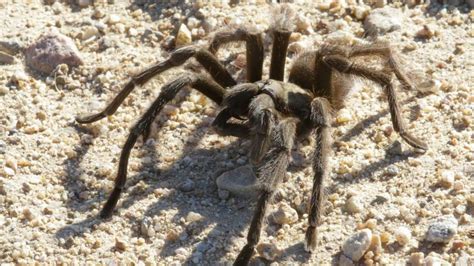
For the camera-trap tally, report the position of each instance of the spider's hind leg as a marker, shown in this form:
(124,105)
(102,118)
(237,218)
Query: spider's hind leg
(344,65)
(383,50)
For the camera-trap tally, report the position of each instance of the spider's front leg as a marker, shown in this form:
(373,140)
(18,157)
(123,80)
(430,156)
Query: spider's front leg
(270,172)
(321,120)
(177,58)
(206,86)
(235,104)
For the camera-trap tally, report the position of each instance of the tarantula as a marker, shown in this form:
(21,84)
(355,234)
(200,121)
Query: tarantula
(271,112)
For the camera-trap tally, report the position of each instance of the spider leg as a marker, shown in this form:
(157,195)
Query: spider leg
(384,51)
(344,65)
(270,172)
(281,28)
(263,118)
(236,104)
(177,58)
(225,128)
(205,85)
(254,49)
(321,120)
(281,39)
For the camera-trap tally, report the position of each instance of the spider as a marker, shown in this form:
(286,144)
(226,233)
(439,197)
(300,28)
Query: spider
(272,113)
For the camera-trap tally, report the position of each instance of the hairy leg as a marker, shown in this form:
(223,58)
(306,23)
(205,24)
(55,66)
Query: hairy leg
(177,58)
(280,46)
(321,121)
(263,118)
(386,52)
(344,65)
(270,172)
(236,105)
(254,49)
(168,92)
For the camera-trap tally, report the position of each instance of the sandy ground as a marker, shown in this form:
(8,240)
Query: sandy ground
(55,174)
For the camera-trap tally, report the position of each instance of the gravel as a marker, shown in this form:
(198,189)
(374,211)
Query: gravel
(356,245)
(442,229)
(55,175)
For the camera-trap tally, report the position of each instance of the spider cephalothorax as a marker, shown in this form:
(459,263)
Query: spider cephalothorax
(271,112)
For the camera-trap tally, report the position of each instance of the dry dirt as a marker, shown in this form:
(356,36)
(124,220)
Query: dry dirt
(55,174)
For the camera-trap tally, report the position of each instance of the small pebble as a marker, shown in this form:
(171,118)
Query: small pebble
(120,245)
(193,217)
(343,116)
(89,32)
(269,252)
(446,178)
(385,237)
(113,19)
(383,20)
(442,229)
(181,251)
(392,170)
(402,235)
(187,186)
(416,259)
(184,36)
(376,245)
(239,181)
(356,245)
(354,204)
(284,215)
(8,171)
(427,32)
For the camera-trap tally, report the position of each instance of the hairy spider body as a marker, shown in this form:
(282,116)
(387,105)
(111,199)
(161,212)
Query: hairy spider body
(271,112)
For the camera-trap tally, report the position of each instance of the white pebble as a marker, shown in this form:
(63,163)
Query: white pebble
(403,235)
(284,215)
(343,116)
(446,178)
(89,32)
(193,217)
(113,19)
(354,204)
(356,245)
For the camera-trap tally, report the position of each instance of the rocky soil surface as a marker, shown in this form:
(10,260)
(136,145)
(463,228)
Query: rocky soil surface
(387,204)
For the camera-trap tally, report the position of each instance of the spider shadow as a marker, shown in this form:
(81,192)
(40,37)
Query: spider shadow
(72,180)
(168,178)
